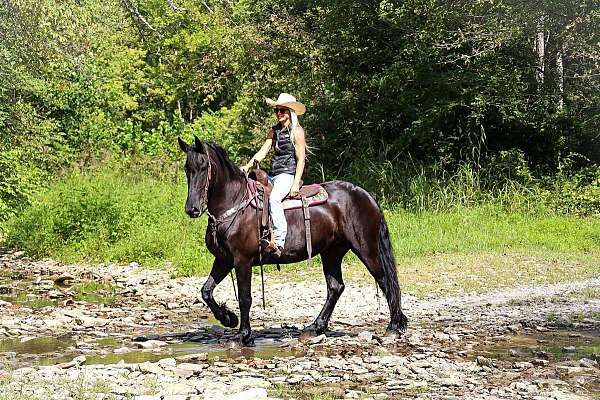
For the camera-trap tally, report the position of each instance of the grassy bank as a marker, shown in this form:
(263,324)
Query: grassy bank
(112,215)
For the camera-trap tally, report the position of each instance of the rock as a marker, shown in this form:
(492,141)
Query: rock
(587,363)
(352,394)
(148,316)
(64,280)
(365,336)
(166,362)
(150,344)
(122,350)
(484,361)
(80,360)
(178,388)
(522,365)
(449,382)
(293,379)
(183,373)
(193,357)
(317,339)
(194,368)
(569,349)
(91,322)
(151,368)
(250,394)
(569,370)
(538,362)
(563,321)
(176,397)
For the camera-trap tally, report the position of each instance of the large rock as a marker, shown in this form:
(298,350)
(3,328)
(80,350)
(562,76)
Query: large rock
(250,394)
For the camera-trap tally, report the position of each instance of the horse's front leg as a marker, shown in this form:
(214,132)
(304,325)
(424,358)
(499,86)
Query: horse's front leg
(219,271)
(244,280)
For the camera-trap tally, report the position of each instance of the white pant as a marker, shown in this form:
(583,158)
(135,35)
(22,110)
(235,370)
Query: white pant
(282,184)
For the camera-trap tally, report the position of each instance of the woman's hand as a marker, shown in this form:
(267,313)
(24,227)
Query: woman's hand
(295,190)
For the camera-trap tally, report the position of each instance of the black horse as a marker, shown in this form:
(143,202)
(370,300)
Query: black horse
(349,220)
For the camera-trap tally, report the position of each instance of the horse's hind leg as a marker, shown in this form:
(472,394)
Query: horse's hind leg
(218,272)
(332,268)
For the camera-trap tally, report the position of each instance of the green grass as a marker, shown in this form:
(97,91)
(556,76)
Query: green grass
(117,215)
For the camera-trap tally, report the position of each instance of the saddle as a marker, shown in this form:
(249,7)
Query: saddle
(309,195)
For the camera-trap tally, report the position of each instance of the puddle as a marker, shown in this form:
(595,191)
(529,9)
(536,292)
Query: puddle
(554,346)
(24,290)
(50,350)
(265,350)
(38,345)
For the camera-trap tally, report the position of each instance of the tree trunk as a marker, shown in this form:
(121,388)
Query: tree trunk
(540,50)
(561,79)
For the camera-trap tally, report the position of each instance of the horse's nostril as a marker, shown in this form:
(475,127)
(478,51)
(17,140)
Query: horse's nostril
(193,212)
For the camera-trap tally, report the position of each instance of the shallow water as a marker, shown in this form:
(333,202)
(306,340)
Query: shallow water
(51,350)
(24,290)
(559,345)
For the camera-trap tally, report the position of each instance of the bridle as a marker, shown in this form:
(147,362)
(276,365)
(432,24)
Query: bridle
(233,211)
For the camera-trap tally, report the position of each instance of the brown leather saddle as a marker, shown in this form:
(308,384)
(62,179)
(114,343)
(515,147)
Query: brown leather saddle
(309,195)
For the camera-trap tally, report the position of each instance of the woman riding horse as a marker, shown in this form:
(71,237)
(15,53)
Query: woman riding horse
(350,220)
(287,165)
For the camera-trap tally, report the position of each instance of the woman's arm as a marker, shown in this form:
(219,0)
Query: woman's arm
(300,145)
(262,153)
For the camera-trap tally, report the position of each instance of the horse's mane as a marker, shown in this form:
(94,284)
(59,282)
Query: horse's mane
(224,159)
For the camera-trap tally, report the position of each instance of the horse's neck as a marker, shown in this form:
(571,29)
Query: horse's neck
(226,190)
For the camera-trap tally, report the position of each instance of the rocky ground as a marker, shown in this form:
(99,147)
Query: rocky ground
(115,332)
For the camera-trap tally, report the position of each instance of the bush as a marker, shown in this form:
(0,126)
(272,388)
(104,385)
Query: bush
(18,181)
(113,214)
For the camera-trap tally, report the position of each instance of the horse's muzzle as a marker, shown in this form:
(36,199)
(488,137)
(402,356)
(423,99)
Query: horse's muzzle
(193,212)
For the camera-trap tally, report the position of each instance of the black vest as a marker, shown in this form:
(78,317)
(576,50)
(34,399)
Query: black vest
(284,160)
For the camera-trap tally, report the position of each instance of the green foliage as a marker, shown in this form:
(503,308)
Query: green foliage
(117,213)
(429,105)
(113,214)
(17,183)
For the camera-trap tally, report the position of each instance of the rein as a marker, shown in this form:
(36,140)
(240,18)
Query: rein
(228,213)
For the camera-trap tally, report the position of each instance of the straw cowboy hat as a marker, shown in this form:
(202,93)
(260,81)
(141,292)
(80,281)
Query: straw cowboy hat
(289,101)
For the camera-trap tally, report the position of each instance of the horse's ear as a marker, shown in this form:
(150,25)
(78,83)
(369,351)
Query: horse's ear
(200,145)
(183,145)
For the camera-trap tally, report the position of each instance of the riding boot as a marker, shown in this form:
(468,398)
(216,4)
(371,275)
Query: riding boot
(273,248)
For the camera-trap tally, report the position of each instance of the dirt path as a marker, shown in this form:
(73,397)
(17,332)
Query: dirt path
(101,332)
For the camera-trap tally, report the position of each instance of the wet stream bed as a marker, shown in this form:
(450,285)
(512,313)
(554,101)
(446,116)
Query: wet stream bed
(130,316)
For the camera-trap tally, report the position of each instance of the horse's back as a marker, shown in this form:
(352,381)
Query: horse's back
(331,222)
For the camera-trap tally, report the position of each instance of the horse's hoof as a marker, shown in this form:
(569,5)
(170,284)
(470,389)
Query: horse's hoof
(392,334)
(230,320)
(241,340)
(308,333)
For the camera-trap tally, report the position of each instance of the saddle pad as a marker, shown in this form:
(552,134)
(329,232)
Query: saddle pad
(319,198)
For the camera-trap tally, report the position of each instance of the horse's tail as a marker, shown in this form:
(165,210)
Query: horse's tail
(398,320)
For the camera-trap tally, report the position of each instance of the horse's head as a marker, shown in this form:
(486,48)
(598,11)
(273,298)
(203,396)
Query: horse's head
(197,171)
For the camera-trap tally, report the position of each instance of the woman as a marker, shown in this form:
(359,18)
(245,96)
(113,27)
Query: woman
(287,165)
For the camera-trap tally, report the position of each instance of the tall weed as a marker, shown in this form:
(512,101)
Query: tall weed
(113,215)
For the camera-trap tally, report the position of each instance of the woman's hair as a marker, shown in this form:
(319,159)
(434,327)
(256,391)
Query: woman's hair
(295,125)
